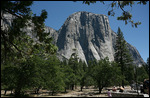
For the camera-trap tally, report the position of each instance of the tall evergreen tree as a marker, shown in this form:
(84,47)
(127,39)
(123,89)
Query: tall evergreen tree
(14,38)
(68,75)
(146,66)
(53,75)
(123,57)
(73,63)
(82,73)
(21,75)
(19,49)
(141,74)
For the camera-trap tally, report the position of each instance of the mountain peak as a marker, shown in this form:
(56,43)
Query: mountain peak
(85,12)
(90,34)
(85,17)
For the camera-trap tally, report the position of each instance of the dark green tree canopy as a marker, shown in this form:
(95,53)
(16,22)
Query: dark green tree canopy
(123,57)
(14,38)
(105,73)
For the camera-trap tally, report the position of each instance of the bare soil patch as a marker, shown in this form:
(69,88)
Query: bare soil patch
(86,92)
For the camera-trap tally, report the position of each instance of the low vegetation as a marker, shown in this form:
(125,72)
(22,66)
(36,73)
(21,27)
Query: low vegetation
(32,65)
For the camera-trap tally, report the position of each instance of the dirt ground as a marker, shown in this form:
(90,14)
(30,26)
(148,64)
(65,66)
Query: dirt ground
(86,92)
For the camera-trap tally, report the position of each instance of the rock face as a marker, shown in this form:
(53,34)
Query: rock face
(90,34)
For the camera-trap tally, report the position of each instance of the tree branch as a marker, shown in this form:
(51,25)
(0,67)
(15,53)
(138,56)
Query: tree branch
(13,13)
(5,46)
(2,32)
(121,7)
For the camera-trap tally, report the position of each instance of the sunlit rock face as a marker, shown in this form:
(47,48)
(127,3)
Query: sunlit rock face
(90,34)
(87,33)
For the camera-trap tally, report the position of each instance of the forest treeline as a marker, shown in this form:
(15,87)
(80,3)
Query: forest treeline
(53,75)
(27,64)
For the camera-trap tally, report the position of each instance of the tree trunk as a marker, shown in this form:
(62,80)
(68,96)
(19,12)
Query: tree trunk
(11,91)
(72,87)
(123,83)
(65,89)
(17,93)
(81,88)
(100,90)
(37,90)
(52,92)
(5,92)
(75,86)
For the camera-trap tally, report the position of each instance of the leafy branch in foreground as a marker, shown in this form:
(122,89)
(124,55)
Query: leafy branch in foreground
(126,15)
(22,31)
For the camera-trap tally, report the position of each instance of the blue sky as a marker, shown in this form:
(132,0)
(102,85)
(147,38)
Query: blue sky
(58,11)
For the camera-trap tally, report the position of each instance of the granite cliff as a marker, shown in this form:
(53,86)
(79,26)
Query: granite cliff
(92,37)
(90,34)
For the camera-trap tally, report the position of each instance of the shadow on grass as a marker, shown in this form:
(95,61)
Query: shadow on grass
(13,95)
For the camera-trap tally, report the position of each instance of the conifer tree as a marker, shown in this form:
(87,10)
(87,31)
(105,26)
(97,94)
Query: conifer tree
(123,57)
(82,73)
(53,75)
(146,66)
(14,38)
(73,63)
(68,75)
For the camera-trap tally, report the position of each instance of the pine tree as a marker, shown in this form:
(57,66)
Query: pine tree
(53,75)
(123,57)
(68,75)
(82,73)
(73,63)
(146,66)
(24,54)
(14,38)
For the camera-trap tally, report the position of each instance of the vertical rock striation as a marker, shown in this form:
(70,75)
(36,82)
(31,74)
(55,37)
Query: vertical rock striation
(90,34)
